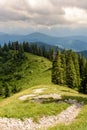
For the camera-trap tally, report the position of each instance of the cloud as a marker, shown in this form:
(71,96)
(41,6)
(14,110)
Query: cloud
(33,12)
(46,13)
(73,3)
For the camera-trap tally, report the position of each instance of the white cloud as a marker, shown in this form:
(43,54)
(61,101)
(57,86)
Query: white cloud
(46,13)
(76,15)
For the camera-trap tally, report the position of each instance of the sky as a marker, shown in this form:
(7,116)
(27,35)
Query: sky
(53,17)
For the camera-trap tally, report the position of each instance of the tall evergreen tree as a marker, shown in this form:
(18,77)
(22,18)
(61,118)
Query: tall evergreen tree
(83,73)
(70,71)
(82,64)
(51,54)
(77,68)
(83,87)
(57,75)
(63,65)
(5,48)
(6,90)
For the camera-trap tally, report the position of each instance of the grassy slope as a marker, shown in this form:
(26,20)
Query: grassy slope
(31,70)
(13,107)
(36,74)
(35,70)
(80,123)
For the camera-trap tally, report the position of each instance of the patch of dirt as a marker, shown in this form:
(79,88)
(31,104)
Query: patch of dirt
(35,91)
(54,96)
(24,97)
(47,98)
(40,90)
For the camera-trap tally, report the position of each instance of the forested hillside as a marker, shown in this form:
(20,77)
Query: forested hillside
(27,93)
(19,69)
(70,69)
(16,64)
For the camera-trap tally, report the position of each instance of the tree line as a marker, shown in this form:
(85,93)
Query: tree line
(12,56)
(33,48)
(70,69)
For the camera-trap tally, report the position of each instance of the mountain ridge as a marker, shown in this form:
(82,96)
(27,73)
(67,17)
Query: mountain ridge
(76,43)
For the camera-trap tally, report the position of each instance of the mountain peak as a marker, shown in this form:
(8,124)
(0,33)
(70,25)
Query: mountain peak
(38,34)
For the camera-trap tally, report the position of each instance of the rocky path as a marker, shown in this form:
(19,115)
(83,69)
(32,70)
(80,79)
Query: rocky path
(66,117)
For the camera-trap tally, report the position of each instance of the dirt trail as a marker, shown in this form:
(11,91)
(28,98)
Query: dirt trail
(66,117)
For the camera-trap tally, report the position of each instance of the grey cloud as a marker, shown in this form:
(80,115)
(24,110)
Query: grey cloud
(21,10)
(71,3)
(49,20)
(7,15)
(46,14)
(47,9)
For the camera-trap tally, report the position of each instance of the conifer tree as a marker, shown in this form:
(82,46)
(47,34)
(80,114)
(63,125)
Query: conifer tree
(83,73)
(77,68)
(83,87)
(51,54)
(6,90)
(57,70)
(63,65)
(82,64)
(5,47)
(70,71)
(14,89)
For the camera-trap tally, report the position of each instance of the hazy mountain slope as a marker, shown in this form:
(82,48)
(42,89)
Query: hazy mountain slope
(83,53)
(77,43)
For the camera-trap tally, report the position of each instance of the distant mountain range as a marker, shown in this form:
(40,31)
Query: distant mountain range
(77,43)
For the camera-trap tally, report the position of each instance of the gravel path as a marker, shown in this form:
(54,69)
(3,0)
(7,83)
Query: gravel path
(46,96)
(66,117)
(40,90)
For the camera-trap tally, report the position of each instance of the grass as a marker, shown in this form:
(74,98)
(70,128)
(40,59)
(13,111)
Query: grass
(36,74)
(80,123)
(13,107)
(35,71)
